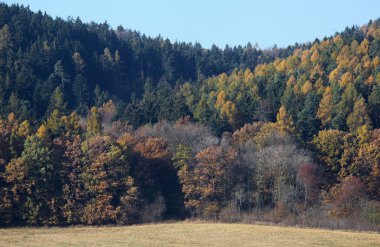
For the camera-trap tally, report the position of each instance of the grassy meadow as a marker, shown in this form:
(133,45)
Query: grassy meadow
(185,234)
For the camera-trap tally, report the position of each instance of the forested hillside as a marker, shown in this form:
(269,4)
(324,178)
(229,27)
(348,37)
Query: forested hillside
(102,126)
(39,54)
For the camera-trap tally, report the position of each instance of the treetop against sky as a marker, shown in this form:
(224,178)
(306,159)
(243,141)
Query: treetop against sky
(223,22)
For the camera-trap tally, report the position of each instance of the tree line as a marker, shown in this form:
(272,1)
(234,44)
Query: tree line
(98,171)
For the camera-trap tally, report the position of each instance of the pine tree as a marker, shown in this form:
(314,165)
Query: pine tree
(100,97)
(307,122)
(57,102)
(285,121)
(359,116)
(93,122)
(325,109)
(14,104)
(54,122)
(374,105)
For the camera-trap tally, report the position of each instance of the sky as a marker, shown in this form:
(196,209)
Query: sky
(220,22)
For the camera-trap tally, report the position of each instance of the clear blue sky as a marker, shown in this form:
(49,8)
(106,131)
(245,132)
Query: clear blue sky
(222,22)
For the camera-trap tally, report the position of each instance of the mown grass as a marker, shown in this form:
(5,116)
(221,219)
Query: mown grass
(185,234)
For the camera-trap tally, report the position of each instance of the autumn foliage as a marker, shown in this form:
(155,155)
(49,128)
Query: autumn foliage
(131,129)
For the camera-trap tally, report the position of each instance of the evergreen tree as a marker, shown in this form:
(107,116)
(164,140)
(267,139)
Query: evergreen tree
(57,102)
(93,122)
(374,106)
(358,117)
(100,97)
(307,121)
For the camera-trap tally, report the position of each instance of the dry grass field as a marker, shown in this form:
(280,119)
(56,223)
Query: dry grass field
(184,234)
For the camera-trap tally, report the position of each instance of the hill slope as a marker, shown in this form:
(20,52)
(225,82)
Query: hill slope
(39,54)
(102,126)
